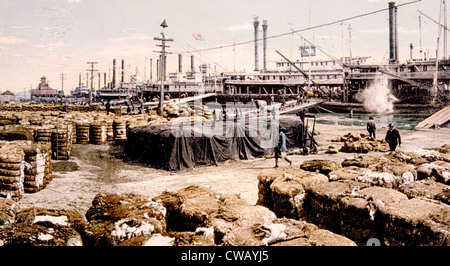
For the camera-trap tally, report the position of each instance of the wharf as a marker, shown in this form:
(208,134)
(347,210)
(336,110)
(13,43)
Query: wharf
(439,119)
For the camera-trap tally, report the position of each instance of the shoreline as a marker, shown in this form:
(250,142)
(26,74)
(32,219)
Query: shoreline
(100,171)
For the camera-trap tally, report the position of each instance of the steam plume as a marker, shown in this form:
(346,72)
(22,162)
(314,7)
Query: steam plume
(377,97)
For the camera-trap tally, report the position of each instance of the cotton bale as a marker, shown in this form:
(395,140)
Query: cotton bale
(289,193)
(360,218)
(321,204)
(416,222)
(322,166)
(117,218)
(23,235)
(8,211)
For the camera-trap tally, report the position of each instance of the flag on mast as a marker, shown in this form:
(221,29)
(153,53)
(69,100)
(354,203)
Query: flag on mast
(198,37)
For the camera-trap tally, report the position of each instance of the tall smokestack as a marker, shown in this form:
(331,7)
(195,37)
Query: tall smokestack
(393,41)
(123,70)
(180,66)
(114,74)
(256,25)
(264,26)
(158,68)
(192,64)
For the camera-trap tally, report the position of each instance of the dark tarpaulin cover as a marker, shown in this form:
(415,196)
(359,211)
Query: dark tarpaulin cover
(186,146)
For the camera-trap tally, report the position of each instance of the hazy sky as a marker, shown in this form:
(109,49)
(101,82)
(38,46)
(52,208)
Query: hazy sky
(51,37)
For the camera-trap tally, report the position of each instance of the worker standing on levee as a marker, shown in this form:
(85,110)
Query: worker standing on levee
(393,137)
(108,106)
(281,149)
(371,127)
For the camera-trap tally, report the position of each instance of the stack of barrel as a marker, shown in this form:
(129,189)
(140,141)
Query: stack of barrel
(98,134)
(12,166)
(83,130)
(62,142)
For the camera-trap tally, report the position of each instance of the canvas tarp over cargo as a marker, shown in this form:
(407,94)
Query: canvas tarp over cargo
(204,144)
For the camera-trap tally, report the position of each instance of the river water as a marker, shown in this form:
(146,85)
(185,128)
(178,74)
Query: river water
(401,121)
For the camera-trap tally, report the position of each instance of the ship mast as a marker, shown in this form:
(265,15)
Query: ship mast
(434,89)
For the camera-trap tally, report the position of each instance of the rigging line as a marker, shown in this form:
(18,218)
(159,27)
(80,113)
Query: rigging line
(305,29)
(428,17)
(206,57)
(199,58)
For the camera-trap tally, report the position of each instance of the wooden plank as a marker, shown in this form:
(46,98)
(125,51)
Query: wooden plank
(439,118)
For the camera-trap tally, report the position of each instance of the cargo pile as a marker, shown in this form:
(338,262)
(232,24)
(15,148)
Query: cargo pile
(186,110)
(62,129)
(359,143)
(25,167)
(12,165)
(401,198)
(192,216)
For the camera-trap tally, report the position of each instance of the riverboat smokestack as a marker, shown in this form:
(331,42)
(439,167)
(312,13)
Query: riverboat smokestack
(393,38)
(180,66)
(192,64)
(256,25)
(123,71)
(114,74)
(264,26)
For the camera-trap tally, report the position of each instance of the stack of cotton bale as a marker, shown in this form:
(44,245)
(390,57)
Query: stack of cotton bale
(120,129)
(44,133)
(98,133)
(61,142)
(125,219)
(418,222)
(286,193)
(220,219)
(38,172)
(185,110)
(12,165)
(361,143)
(83,129)
(360,212)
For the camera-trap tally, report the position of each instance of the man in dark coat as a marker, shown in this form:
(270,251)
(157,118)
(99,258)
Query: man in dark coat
(393,137)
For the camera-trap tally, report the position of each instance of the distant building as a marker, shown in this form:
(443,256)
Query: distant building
(43,92)
(7,96)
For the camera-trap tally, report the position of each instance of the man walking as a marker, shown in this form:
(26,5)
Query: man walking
(393,137)
(371,127)
(281,149)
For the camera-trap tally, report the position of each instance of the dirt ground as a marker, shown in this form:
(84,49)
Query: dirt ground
(96,168)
